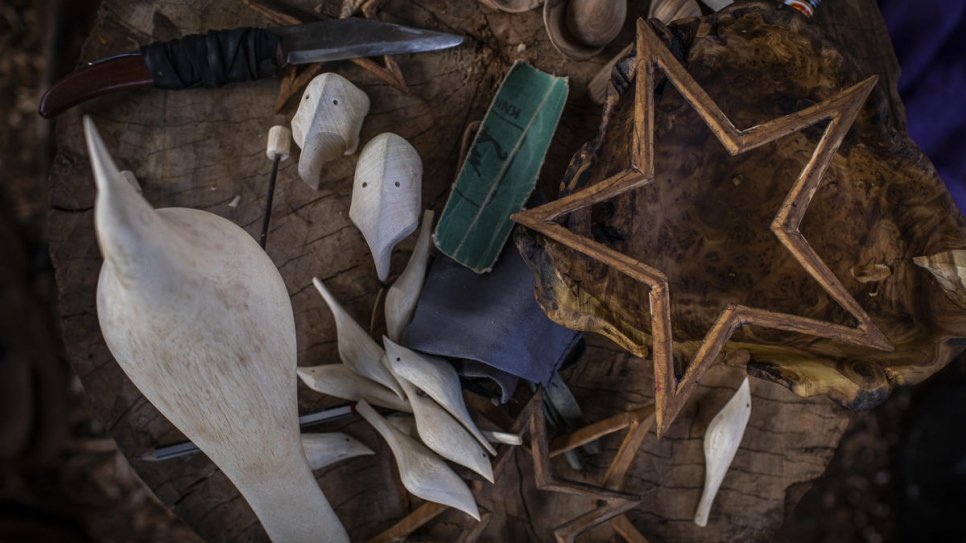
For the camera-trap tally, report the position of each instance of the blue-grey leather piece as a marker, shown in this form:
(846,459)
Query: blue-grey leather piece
(492,318)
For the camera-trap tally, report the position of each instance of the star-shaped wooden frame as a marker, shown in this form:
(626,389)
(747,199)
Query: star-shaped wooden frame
(611,502)
(840,111)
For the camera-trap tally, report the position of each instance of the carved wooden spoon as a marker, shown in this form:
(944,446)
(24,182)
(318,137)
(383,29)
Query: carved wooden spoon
(198,317)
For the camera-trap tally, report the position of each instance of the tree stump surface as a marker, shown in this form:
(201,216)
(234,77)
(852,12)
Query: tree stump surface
(202,148)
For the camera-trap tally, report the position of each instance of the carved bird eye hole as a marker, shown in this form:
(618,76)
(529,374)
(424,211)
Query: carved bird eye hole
(397,183)
(398,359)
(307,96)
(364,184)
(335,102)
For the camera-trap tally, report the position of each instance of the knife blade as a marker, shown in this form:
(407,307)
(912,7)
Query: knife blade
(220,57)
(339,39)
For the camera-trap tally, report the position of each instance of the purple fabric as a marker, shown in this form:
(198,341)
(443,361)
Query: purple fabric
(929,37)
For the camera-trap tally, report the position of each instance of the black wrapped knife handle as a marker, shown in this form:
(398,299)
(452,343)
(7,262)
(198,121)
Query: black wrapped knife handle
(214,59)
(201,60)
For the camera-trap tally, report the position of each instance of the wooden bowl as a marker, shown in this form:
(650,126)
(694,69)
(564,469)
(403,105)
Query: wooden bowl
(706,220)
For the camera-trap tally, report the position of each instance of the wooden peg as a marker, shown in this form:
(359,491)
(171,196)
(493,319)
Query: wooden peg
(279,142)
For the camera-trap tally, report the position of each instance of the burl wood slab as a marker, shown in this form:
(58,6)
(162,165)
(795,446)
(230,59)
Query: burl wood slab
(839,111)
(748,197)
(202,148)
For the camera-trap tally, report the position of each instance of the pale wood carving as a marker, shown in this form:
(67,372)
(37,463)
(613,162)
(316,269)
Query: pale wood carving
(327,123)
(402,296)
(436,378)
(422,472)
(357,349)
(444,435)
(340,381)
(721,442)
(386,196)
(198,317)
(325,449)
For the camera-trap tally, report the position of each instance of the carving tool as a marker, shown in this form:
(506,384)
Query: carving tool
(187,448)
(220,57)
(279,144)
(564,413)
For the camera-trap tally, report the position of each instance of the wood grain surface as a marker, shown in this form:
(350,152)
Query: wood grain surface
(201,148)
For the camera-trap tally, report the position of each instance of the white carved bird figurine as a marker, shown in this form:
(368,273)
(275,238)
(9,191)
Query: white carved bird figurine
(198,317)
(721,442)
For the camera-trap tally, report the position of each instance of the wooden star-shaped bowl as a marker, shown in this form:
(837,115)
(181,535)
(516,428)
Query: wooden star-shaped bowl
(748,199)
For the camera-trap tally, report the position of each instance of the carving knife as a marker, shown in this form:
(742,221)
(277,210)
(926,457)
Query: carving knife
(220,57)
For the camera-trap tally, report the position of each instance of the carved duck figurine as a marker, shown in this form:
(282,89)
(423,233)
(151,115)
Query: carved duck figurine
(422,472)
(402,296)
(327,123)
(197,315)
(339,381)
(323,450)
(357,350)
(721,442)
(386,195)
(438,380)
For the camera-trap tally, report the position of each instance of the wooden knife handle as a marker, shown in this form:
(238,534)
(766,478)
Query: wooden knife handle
(98,79)
(210,60)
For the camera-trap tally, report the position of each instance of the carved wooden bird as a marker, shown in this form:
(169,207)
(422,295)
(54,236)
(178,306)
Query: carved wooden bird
(198,317)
